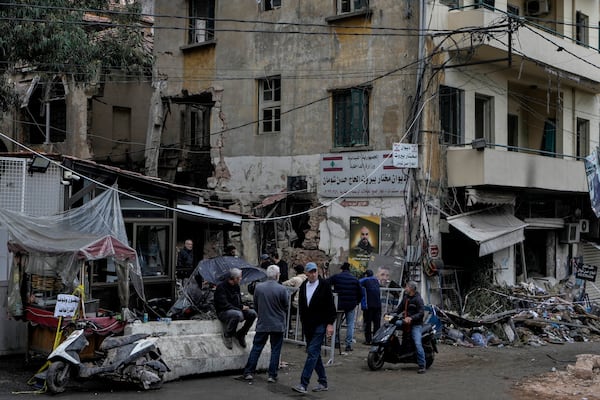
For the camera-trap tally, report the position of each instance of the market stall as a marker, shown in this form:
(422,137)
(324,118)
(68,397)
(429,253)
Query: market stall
(52,255)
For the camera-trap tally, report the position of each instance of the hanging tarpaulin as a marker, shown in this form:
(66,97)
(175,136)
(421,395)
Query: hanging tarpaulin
(593,178)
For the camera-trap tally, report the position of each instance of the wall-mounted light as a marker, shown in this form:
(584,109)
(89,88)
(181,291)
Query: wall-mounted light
(39,164)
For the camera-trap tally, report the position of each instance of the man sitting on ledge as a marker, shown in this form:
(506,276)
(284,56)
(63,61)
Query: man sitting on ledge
(230,311)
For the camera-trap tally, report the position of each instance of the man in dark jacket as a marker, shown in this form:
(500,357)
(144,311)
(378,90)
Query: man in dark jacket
(231,311)
(349,294)
(412,309)
(317,313)
(271,301)
(185,260)
(370,304)
(283,266)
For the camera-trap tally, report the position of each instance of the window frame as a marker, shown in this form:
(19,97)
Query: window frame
(270,5)
(485,109)
(455,98)
(195,126)
(352,6)
(351,108)
(201,10)
(269,106)
(582,24)
(582,138)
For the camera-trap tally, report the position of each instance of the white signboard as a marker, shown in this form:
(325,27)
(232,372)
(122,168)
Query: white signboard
(66,305)
(405,155)
(361,174)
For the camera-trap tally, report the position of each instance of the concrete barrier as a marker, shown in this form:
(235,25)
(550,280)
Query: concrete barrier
(193,347)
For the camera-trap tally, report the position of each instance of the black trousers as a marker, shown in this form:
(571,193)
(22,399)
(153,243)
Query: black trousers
(372,319)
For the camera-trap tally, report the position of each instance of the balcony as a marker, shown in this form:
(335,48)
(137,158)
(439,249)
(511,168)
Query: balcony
(470,167)
(546,53)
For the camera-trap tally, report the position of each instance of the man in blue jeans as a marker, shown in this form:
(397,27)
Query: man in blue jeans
(271,302)
(349,295)
(412,309)
(317,314)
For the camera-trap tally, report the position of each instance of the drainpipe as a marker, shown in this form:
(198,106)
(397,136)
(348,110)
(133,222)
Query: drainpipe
(47,123)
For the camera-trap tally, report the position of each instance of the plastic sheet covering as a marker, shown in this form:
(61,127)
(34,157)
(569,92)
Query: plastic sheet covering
(59,243)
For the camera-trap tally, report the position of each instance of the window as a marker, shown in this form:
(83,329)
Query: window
(549,138)
(484,118)
(151,241)
(346,6)
(196,126)
(270,105)
(451,114)
(582,24)
(271,4)
(583,135)
(450,3)
(351,117)
(202,21)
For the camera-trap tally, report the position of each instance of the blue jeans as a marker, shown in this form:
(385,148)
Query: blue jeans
(313,357)
(231,319)
(260,339)
(416,331)
(350,319)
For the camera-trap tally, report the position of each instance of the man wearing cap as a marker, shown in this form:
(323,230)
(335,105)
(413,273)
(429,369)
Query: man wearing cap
(317,313)
(265,261)
(349,295)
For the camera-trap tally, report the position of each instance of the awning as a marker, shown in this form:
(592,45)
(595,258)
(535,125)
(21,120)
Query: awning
(492,229)
(209,213)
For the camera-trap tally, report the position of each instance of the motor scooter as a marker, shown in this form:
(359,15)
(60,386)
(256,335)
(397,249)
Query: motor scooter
(133,358)
(388,346)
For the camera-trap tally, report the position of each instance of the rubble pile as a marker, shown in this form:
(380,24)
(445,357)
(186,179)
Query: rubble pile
(515,316)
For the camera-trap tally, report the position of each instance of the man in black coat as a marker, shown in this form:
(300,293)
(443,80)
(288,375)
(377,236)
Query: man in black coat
(317,313)
(231,311)
(349,295)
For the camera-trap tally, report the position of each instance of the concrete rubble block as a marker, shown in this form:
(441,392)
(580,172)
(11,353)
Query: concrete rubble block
(194,347)
(585,365)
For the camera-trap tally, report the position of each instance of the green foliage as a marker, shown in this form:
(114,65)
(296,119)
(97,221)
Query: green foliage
(53,37)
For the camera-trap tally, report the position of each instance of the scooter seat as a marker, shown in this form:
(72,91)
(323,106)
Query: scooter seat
(117,341)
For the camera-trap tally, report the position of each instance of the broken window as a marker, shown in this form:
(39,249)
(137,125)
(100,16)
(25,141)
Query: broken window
(202,21)
(47,104)
(271,4)
(451,114)
(346,6)
(351,117)
(195,126)
(270,105)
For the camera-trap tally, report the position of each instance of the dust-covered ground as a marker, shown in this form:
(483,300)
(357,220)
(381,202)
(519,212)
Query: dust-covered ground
(519,373)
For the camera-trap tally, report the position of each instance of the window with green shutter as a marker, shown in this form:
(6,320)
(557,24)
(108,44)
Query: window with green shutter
(351,117)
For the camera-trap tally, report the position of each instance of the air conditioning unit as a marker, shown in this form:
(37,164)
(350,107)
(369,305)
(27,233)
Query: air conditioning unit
(570,234)
(534,8)
(584,226)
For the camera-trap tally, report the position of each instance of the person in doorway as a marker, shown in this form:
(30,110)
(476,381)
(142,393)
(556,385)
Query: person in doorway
(271,302)
(185,260)
(412,310)
(231,311)
(349,295)
(317,314)
(371,305)
(283,266)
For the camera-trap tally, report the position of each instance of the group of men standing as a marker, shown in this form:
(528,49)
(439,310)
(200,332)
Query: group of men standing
(317,311)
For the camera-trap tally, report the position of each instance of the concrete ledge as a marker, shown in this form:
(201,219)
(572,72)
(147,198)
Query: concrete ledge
(195,347)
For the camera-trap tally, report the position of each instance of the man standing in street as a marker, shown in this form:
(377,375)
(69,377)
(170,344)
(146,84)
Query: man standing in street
(231,311)
(349,294)
(412,309)
(185,260)
(317,313)
(271,302)
(370,304)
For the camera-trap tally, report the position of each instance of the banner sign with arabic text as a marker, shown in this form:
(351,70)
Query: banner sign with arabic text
(361,174)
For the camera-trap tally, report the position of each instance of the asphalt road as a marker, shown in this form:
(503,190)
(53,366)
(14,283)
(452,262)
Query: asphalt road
(457,373)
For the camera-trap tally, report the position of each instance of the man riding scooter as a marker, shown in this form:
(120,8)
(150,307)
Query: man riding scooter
(411,308)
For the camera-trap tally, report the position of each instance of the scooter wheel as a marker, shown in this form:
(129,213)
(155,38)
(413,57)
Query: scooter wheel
(375,360)
(57,376)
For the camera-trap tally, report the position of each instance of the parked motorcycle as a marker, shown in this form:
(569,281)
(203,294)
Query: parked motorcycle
(388,345)
(133,358)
